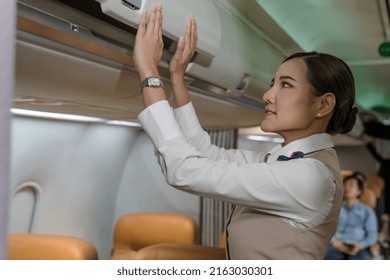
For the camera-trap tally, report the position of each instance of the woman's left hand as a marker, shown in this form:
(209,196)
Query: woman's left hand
(185,49)
(148,43)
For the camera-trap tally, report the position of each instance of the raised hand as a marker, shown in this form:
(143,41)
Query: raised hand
(185,49)
(179,62)
(148,42)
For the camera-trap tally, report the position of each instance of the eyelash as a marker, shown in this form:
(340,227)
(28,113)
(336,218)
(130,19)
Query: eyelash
(283,84)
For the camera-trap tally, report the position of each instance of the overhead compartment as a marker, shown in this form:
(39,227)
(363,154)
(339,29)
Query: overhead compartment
(227,77)
(175,13)
(245,62)
(232,58)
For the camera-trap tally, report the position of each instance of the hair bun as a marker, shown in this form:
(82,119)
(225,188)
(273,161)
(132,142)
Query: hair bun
(350,120)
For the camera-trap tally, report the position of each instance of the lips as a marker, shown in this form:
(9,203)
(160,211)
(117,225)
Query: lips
(269,112)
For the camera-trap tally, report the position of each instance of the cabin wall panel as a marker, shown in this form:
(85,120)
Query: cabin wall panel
(144,189)
(7,35)
(89,175)
(78,166)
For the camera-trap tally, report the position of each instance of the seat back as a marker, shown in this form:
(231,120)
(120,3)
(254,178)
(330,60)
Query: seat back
(369,198)
(49,247)
(376,183)
(138,230)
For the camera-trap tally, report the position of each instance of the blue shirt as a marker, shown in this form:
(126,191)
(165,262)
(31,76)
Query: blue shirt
(358,224)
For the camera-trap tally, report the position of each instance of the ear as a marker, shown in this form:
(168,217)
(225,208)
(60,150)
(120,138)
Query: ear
(326,105)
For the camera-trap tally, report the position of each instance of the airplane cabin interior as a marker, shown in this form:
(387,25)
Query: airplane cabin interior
(83,179)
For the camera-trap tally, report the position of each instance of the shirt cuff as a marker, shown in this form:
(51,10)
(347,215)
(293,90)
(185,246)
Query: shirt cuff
(188,121)
(159,123)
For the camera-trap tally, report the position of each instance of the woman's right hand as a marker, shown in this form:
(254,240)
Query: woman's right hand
(148,43)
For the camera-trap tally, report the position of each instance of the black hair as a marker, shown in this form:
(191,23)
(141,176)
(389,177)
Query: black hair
(359,179)
(360,175)
(329,74)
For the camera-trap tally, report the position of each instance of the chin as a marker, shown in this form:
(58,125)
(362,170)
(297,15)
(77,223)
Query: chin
(264,127)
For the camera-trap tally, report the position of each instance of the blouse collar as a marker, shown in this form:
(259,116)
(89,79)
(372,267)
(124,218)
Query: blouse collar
(312,143)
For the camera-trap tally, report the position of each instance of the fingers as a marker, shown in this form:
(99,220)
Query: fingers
(152,19)
(191,33)
(191,36)
(142,22)
(159,20)
(194,33)
(180,47)
(153,24)
(155,19)
(187,34)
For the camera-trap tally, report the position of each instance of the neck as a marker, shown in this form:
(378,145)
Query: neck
(295,135)
(350,202)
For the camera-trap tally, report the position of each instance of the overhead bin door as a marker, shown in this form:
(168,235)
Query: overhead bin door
(175,13)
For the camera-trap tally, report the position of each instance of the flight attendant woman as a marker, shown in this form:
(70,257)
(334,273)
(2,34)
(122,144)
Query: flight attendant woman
(287,200)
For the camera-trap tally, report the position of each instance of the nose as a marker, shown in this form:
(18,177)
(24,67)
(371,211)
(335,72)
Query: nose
(268,96)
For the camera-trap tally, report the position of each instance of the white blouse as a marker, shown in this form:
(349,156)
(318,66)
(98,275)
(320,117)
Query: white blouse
(300,190)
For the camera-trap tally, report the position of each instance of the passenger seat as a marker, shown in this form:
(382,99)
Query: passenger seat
(26,246)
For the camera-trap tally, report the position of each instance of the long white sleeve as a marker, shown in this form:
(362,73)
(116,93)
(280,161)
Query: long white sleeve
(196,136)
(296,189)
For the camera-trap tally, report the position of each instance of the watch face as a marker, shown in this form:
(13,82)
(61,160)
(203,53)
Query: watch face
(151,82)
(154,81)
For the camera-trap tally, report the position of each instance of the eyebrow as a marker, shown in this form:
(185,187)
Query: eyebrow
(287,77)
(283,78)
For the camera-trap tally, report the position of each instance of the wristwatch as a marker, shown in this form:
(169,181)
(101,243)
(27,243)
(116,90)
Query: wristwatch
(151,82)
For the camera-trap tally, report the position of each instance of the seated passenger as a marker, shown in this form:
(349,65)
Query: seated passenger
(357,228)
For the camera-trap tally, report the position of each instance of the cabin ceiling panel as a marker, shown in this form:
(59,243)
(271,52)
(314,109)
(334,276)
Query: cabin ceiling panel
(372,89)
(323,25)
(349,29)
